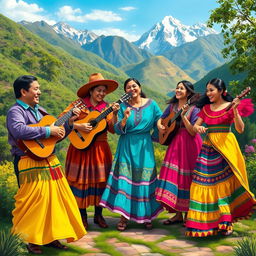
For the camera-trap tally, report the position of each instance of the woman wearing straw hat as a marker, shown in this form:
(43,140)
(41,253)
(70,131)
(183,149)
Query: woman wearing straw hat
(87,170)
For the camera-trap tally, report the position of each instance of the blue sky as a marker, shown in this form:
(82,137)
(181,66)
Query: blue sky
(128,18)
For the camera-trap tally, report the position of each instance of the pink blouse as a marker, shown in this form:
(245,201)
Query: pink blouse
(245,108)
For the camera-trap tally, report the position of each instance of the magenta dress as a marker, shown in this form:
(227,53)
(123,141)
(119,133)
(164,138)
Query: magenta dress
(176,172)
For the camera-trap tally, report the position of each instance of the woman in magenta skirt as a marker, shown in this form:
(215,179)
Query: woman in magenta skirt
(180,158)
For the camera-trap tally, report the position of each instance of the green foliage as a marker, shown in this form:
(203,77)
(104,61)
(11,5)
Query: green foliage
(10,244)
(5,149)
(238,23)
(248,134)
(250,158)
(251,171)
(246,247)
(8,188)
(159,151)
(5,153)
(224,72)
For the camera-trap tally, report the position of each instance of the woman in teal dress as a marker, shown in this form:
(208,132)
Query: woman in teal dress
(131,185)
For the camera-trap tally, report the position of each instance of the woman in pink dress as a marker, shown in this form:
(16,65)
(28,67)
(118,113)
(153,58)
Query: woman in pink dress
(180,158)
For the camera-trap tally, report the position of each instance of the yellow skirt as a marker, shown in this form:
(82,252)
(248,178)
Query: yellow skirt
(45,208)
(219,193)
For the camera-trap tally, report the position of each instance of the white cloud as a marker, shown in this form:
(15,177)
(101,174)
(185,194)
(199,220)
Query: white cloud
(21,10)
(117,32)
(67,13)
(127,8)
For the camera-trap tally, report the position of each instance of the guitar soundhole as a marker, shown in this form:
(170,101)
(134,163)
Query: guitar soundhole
(93,123)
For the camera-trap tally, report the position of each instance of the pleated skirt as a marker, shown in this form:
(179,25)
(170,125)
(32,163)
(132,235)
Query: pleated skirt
(45,208)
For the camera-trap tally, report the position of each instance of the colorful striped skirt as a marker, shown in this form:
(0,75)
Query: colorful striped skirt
(87,172)
(218,195)
(176,172)
(45,208)
(131,197)
(131,185)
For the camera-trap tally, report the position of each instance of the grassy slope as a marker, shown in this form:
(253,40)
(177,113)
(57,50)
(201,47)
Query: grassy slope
(198,57)
(116,50)
(158,73)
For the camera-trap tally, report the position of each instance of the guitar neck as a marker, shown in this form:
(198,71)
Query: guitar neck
(229,106)
(175,117)
(177,114)
(106,112)
(60,121)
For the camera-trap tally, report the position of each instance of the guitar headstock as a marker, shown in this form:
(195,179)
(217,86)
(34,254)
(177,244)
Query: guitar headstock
(192,99)
(244,93)
(126,97)
(79,104)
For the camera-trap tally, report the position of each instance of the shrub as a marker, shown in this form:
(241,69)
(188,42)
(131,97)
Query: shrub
(8,188)
(250,158)
(246,247)
(10,244)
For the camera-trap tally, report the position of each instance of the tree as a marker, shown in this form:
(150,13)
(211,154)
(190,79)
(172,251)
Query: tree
(238,23)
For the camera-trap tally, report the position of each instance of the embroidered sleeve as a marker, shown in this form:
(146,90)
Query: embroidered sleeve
(117,127)
(194,115)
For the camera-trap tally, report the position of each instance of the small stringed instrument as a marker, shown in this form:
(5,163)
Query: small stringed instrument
(172,125)
(38,149)
(241,95)
(81,139)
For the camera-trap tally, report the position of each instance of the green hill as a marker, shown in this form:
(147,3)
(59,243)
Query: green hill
(117,50)
(59,73)
(157,73)
(199,57)
(222,72)
(46,32)
(22,52)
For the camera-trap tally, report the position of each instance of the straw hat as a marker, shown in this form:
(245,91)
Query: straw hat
(95,80)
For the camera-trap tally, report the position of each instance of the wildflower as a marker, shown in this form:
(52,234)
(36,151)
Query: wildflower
(249,149)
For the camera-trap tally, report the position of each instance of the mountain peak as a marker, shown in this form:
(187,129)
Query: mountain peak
(169,33)
(82,37)
(24,22)
(170,20)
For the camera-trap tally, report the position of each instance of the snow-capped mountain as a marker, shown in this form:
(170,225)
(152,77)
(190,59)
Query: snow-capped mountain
(170,33)
(82,37)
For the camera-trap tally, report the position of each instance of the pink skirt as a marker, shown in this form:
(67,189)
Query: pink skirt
(176,172)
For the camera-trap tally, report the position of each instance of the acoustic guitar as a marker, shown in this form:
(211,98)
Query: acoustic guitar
(81,139)
(38,149)
(172,125)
